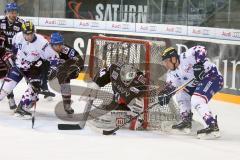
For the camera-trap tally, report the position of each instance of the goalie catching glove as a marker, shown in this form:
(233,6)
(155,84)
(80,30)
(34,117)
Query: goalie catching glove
(164,95)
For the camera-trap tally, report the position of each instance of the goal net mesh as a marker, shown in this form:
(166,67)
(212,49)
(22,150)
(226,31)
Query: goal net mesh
(144,55)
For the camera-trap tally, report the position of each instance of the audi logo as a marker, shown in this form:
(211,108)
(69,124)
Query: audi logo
(236,34)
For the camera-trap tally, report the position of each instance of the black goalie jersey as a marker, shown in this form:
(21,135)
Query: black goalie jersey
(123,92)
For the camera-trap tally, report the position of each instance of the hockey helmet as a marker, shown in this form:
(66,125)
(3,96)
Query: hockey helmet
(11,7)
(56,38)
(168,53)
(127,73)
(28,27)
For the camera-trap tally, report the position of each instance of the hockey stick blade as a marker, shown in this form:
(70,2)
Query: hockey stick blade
(69,127)
(110,132)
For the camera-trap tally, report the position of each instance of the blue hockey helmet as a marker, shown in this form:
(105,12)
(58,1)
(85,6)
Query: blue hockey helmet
(56,38)
(11,7)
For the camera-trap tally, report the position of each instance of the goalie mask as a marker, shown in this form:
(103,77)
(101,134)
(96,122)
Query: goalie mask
(127,73)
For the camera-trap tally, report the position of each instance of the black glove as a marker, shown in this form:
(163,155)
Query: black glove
(164,100)
(52,73)
(199,71)
(36,85)
(165,95)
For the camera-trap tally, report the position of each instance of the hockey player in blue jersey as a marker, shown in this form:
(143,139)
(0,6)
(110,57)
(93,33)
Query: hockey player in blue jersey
(208,81)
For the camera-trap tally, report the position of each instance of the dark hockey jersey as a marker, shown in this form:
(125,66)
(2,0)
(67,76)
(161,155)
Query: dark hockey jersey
(70,53)
(10,30)
(123,94)
(3,66)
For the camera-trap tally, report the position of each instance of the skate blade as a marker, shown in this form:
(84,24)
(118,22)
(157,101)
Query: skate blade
(24,117)
(184,131)
(213,135)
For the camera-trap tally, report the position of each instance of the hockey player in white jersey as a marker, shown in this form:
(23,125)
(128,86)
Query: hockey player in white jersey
(29,49)
(208,81)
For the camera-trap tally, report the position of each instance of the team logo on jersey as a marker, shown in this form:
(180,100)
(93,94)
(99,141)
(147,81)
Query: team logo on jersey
(120,121)
(65,50)
(34,53)
(3,26)
(16,28)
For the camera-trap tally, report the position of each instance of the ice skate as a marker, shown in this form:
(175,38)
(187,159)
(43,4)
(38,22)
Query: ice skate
(12,104)
(68,109)
(184,126)
(212,131)
(21,111)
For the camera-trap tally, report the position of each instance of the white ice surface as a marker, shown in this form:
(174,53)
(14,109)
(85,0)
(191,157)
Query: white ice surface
(45,142)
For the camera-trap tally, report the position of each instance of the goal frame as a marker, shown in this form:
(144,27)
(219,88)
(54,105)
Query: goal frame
(147,45)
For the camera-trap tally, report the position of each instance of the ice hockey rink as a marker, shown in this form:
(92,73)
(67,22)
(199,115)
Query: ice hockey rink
(19,141)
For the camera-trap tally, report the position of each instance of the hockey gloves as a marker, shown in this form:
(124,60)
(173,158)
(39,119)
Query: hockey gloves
(199,71)
(164,100)
(52,73)
(165,95)
(35,84)
(8,58)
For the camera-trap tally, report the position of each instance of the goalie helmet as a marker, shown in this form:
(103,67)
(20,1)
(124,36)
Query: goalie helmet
(127,73)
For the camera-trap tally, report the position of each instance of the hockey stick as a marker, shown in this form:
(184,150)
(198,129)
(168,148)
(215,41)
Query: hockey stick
(80,125)
(33,114)
(112,132)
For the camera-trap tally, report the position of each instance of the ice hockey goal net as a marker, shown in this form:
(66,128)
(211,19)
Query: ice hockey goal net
(144,55)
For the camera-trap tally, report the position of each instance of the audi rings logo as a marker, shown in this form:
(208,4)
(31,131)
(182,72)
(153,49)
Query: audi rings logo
(236,34)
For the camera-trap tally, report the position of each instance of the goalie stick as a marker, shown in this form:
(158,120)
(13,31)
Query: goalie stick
(112,132)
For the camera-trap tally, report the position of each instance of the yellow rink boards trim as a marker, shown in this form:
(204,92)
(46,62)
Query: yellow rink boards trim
(219,96)
(227,98)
